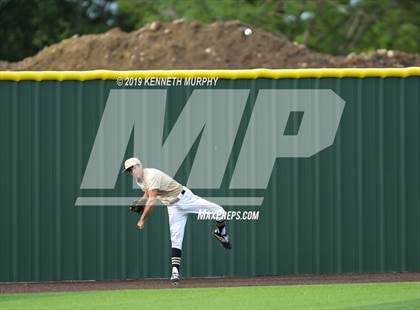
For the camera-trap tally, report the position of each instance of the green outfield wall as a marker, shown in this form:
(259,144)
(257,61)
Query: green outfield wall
(329,158)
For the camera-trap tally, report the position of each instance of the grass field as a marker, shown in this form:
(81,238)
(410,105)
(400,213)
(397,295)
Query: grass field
(332,296)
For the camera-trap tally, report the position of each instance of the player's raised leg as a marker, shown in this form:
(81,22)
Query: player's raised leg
(196,204)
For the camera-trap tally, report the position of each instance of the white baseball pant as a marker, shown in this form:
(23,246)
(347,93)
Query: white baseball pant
(188,203)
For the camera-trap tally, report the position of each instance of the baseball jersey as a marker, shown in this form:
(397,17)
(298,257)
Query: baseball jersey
(167,188)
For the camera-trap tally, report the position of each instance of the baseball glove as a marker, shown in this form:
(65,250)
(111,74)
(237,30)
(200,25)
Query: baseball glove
(138,205)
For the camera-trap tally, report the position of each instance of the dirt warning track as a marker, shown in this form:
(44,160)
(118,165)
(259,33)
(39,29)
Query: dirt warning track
(7,288)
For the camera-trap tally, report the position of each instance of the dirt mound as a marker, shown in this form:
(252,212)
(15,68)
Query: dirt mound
(192,45)
(4,65)
(381,59)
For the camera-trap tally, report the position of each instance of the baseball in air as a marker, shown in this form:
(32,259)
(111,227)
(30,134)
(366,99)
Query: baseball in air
(247,32)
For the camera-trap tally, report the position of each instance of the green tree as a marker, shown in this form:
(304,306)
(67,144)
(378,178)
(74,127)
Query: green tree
(26,26)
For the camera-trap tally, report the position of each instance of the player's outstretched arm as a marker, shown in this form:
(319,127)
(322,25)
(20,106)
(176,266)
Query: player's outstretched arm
(149,206)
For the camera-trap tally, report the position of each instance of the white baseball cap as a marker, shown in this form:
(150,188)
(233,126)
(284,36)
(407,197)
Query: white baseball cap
(132,162)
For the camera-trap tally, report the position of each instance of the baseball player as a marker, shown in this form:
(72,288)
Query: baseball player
(180,202)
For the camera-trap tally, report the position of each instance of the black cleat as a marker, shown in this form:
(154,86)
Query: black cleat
(223,239)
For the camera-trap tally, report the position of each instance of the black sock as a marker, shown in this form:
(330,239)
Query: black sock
(176,258)
(220,225)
